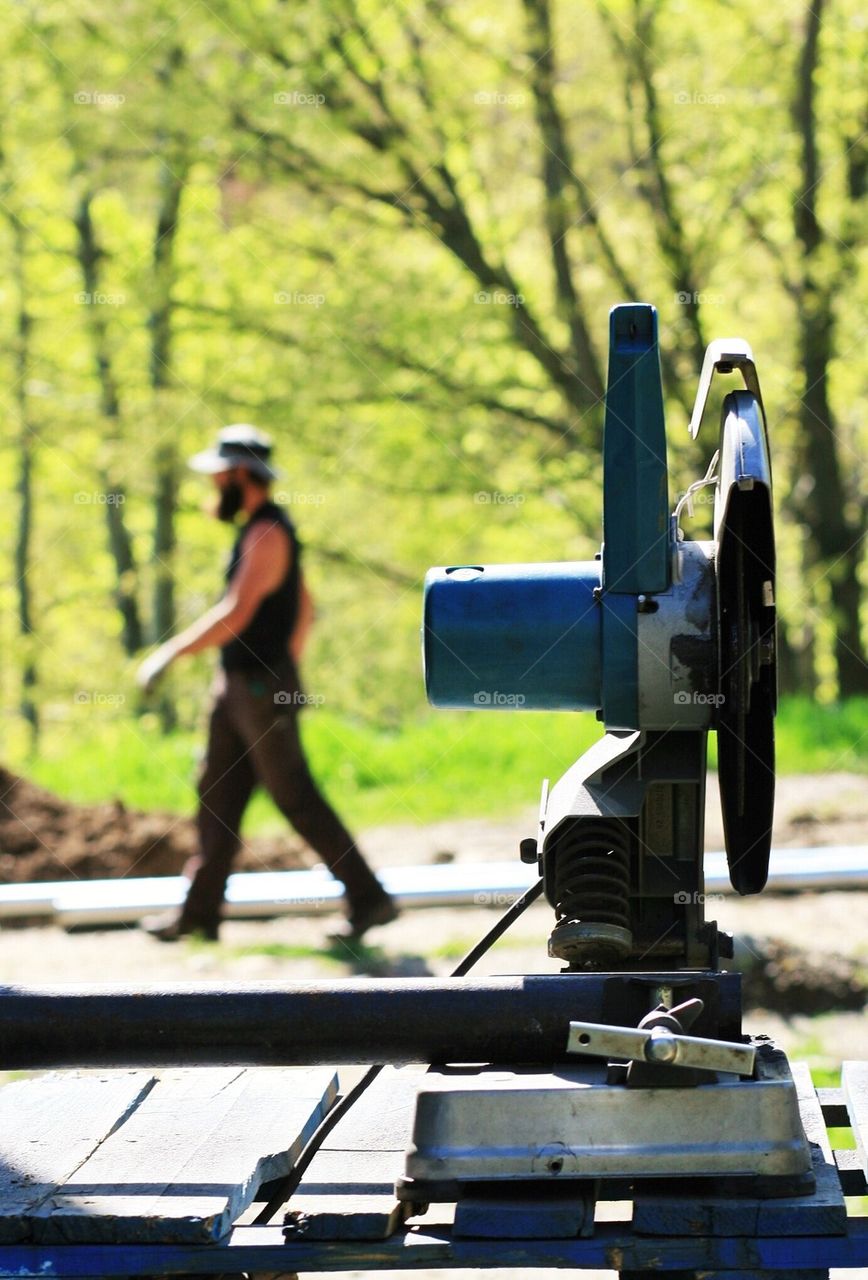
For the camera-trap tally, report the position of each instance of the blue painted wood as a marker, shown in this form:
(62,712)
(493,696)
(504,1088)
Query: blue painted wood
(682,1213)
(820,1274)
(261,1249)
(540,1217)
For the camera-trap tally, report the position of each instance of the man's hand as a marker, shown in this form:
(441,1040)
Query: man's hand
(153,667)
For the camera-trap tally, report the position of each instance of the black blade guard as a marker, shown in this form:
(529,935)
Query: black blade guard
(744,531)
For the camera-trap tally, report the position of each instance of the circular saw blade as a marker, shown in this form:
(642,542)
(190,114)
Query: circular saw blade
(744,529)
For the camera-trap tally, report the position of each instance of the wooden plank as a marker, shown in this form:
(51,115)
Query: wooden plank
(762,1275)
(854,1083)
(810,1109)
(552,1215)
(191,1157)
(824,1212)
(382,1119)
(853,1181)
(348,1195)
(827,1214)
(679,1213)
(348,1191)
(49,1126)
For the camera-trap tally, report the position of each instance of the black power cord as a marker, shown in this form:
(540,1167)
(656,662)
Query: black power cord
(289,1184)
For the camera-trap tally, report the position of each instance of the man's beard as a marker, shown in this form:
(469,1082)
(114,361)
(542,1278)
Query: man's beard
(229,503)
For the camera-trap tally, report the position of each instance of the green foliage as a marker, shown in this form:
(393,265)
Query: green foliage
(360,184)
(440,765)
(822,739)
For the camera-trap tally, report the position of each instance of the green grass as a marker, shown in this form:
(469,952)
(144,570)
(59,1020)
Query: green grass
(453,949)
(445,764)
(284,951)
(822,738)
(826,1077)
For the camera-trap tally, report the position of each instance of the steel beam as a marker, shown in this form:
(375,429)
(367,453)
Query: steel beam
(514,1020)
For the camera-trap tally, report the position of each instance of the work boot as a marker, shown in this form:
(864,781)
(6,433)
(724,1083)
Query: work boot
(364,916)
(169,927)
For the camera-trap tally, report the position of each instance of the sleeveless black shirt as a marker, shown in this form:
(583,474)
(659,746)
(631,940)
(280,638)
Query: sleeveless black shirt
(262,645)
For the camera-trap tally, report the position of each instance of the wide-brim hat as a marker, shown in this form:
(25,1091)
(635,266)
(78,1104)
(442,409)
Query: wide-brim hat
(239,445)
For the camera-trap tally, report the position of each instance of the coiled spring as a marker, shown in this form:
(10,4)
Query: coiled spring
(592,892)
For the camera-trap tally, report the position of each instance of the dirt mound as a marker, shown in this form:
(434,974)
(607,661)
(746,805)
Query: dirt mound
(792,980)
(45,838)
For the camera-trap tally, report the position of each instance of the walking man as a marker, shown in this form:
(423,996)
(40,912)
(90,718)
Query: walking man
(260,626)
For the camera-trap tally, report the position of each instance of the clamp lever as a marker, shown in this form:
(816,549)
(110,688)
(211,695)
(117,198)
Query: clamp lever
(661,1045)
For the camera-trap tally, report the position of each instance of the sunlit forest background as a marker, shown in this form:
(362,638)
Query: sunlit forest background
(389,234)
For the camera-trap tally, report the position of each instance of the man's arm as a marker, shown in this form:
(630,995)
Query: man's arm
(265,558)
(303,623)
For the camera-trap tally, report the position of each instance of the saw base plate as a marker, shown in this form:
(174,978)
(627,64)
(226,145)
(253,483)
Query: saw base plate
(485,1124)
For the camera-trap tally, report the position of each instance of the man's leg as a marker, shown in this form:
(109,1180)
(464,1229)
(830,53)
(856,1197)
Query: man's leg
(271,731)
(225,785)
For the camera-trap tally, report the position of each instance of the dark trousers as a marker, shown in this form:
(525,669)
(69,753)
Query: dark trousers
(253,738)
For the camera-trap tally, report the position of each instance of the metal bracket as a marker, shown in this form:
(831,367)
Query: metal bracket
(722,356)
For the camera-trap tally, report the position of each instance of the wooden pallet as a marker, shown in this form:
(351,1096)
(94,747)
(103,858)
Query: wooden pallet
(139,1173)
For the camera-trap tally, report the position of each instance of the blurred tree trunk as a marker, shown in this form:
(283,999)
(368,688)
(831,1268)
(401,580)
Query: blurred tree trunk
(26,446)
(89,256)
(826,505)
(797,643)
(171,181)
(172,178)
(166,458)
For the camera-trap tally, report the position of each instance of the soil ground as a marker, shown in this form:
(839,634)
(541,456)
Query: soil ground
(45,838)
